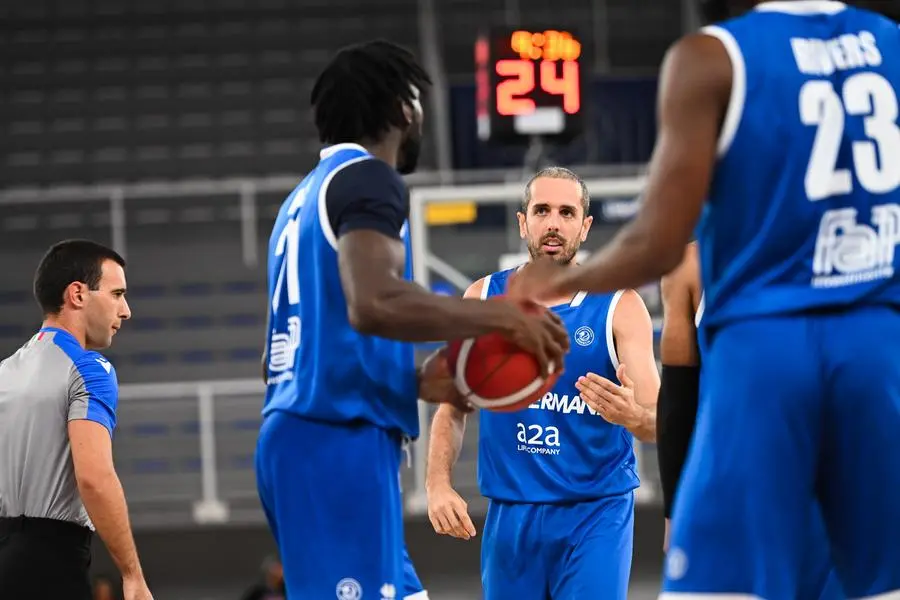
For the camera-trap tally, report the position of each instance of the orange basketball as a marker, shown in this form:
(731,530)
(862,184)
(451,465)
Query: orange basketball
(495,374)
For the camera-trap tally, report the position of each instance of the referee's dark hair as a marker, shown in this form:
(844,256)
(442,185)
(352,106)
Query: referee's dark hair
(67,262)
(361,92)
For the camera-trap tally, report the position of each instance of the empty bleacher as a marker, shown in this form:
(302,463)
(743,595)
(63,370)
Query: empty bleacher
(112,91)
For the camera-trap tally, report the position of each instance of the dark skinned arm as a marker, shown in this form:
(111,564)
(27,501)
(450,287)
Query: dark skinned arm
(380,302)
(695,86)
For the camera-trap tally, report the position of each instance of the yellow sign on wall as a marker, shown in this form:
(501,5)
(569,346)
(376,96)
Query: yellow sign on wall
(450,213)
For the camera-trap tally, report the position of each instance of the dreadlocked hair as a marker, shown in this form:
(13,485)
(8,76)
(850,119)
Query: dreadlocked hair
(361,92)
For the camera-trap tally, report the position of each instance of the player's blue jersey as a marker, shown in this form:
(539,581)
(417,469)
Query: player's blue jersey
(804,208)
(558,449)
(320,367)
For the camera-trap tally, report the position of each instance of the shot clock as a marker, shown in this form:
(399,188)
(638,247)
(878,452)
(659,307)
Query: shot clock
(528,83)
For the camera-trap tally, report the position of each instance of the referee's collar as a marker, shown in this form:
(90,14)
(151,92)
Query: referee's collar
(59,331)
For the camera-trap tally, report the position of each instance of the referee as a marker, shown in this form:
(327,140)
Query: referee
(58,402)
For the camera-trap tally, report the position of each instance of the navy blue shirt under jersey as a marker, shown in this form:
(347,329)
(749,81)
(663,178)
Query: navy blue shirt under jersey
(319,367)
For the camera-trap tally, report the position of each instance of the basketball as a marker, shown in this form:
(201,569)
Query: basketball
(495,374)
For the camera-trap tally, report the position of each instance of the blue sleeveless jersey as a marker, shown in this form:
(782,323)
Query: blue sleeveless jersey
(804,207)
(558,449)
(319,367)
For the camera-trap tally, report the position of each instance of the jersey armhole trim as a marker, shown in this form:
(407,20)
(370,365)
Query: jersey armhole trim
(701,306)
(610,338)
(324,221)
(485,288)
(578,299)
(423,595)
(735,111)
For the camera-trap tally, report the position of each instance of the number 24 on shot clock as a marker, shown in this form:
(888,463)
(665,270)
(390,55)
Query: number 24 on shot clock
(528,83)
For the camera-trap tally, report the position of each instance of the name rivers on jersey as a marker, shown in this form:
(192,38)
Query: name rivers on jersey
(849,252)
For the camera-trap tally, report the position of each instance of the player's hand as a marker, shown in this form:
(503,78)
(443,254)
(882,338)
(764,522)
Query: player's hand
(436,383)
(613,402)
(539,332)
(536,281)
(449,514)
(135,588)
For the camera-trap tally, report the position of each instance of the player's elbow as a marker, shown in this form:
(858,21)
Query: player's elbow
(367,316)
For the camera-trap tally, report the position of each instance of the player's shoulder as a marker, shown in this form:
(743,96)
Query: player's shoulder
(92,366)
(480,287)
(629,310)
(362,173)
(687,274)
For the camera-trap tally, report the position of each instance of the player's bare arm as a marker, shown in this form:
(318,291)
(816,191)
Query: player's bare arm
(695,86)
(381,302)
(447,510)
(103,497)
(677,410)
(633,403)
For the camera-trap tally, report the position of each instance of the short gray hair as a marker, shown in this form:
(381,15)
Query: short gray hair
(557,173)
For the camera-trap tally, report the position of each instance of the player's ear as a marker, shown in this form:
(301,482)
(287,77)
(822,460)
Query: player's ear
(76,294)
(586,226)
(523,230)
(409,114)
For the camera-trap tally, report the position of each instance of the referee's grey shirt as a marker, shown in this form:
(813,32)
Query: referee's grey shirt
(48,382)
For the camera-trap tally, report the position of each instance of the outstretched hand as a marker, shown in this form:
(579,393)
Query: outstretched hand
(613,402)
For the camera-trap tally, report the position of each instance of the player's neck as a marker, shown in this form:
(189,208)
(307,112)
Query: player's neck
(385,150)
(559,300)
(61,321)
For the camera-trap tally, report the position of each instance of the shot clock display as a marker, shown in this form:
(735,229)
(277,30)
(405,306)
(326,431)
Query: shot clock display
(528,82)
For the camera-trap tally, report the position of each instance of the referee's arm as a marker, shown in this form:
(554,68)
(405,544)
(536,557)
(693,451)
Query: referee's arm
(679,390)
(92,419)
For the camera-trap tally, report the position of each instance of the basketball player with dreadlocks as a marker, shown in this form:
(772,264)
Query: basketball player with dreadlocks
(342,384)
(780,127)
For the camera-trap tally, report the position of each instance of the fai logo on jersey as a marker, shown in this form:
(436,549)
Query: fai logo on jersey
(348,589)
(848,252)
(584,336)
(283,350)
(388,592)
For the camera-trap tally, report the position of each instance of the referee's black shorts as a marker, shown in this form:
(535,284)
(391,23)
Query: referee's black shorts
(44,559)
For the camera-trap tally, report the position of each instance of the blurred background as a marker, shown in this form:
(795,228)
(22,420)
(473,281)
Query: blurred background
(173,129)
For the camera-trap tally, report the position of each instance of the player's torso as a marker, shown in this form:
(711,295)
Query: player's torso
(804,209)
(558,449)
(318,365)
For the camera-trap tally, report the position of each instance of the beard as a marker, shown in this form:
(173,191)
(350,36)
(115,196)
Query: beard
(410,149)
(564,254)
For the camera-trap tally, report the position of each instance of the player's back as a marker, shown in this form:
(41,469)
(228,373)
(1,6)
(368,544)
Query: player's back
(559,450)
(319,366)
(804,208)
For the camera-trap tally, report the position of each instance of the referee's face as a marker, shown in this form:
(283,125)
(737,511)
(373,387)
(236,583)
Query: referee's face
(106,308)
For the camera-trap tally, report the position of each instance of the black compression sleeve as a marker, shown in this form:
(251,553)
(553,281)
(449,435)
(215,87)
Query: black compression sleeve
(676,413)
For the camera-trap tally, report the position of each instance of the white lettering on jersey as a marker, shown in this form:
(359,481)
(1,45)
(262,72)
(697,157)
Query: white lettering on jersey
(537,439)
(875,157)
(848,252)
(821,58)
(562,404)
(283,350)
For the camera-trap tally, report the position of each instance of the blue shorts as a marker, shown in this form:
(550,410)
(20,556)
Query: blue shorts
(332,499)
(412,587)
(794,410)
(559,551)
